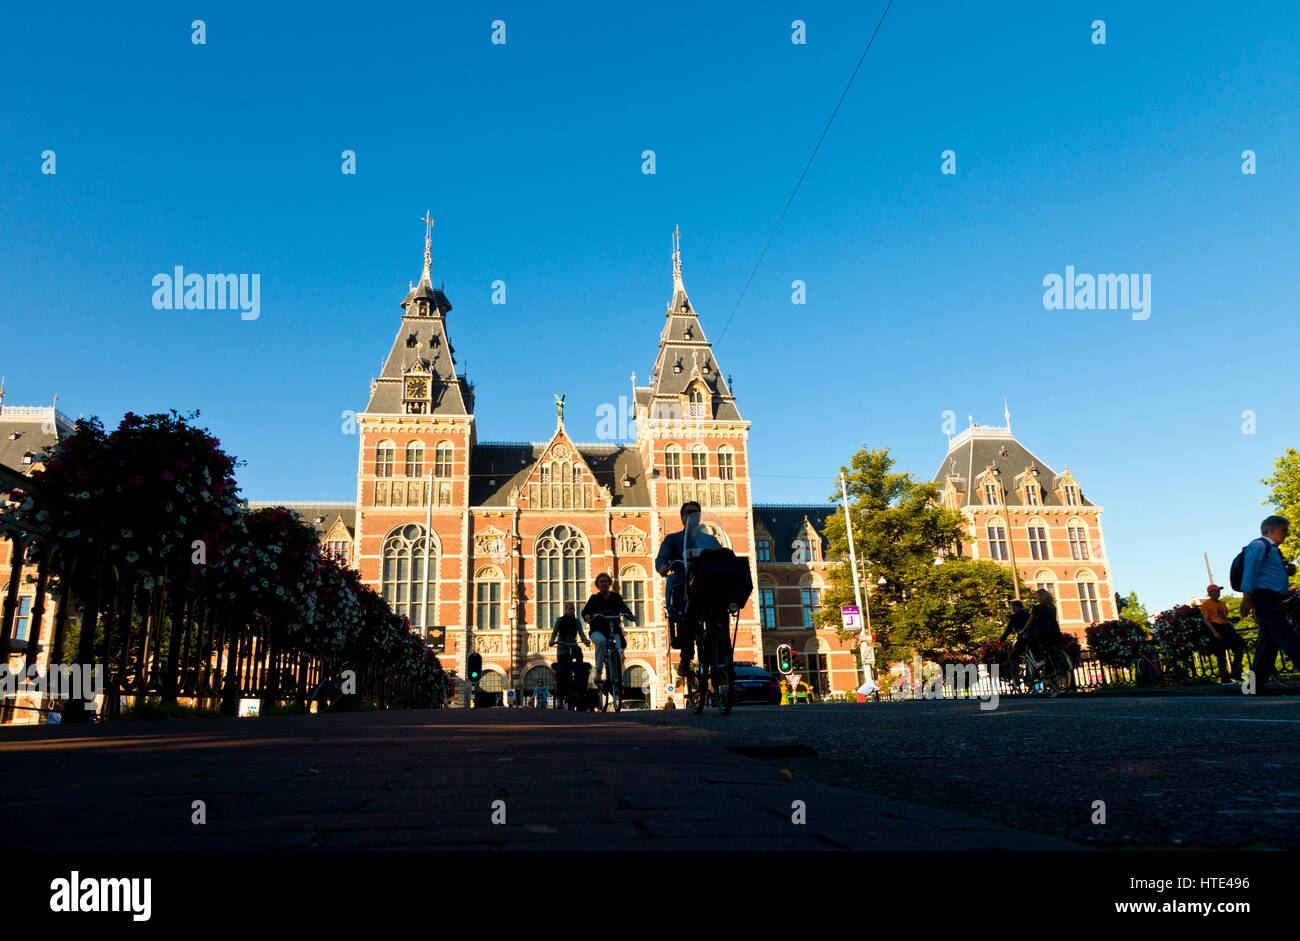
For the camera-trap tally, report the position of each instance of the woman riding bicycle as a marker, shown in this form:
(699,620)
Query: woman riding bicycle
(1043,629)
(603,629)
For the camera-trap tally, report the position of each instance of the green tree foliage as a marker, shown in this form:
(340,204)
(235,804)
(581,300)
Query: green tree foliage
(955,607)
(1284,498)
(899,530)
(1130,609)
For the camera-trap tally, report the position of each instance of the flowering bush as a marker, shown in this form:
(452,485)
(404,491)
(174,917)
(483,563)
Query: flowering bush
(1180,633)
(1070,644)
(995,651)
(1117,642)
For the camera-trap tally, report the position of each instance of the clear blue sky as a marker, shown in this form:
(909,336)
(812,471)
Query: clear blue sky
(924,290)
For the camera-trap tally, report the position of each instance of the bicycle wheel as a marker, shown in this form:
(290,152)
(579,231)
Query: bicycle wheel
(1060,672)
(698,680)
(724,673)
(617,688)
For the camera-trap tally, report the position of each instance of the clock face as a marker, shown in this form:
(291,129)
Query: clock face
(415,388)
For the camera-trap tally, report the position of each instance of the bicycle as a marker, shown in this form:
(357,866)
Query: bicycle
(569,674)
(1053,670)
(611,692)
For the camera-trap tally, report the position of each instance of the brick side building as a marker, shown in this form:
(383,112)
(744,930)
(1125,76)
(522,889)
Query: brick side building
(1022,512)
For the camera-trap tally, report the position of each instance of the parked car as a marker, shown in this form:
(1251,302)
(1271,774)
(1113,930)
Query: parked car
(756,685)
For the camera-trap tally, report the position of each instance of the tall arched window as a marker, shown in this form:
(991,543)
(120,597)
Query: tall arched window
(385,454)
(1078,533)
(561,572)
(699,462)
(442,459)
(1044,578)
(414,459)
(489,590)
(673,462)
(767,601)
(727,462)
(632,586)
(404,583)
(1086,582)
(997,541)
(1037,539)
(810,598)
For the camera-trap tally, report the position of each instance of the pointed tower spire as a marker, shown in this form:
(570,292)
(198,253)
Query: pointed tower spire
(681,304)
(425,276)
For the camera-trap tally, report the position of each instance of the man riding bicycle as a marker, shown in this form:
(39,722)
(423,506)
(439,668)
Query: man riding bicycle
(604,613)
(672,552)
(564,637)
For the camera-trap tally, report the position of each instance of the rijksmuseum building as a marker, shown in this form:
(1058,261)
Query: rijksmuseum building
(516,530)
(480,544)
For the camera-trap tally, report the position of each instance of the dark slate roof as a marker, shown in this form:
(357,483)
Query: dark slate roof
(322,516)
(976,448)
(423,340)
(784,521)
(496,468)
(33,434)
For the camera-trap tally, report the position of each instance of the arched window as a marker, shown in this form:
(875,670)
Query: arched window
(673,462)
(1037,539)
(636,679)
(699,462)
(767,601)
(727,462)
(698,407)
(414,459)
(997,541)
(561,572)
(442,459)
(1078,533)
(489,592)
(1086,582)
(385,455)
(632,586)
(810,599)
(404,583)
(492,682)
(1044,578)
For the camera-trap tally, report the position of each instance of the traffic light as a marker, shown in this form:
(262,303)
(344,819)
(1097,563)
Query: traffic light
(785,659)
(474,667)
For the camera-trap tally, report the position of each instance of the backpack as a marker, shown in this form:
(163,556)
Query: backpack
(1238,567)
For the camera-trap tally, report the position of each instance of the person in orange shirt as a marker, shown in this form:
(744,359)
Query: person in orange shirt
(1223,636)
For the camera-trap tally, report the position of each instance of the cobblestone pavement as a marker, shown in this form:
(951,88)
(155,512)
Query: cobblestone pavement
(1173,771)
(426,780)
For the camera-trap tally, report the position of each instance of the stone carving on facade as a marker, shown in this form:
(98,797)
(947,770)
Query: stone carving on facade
(489,643)
(631,541)
(537,641)
(491,542)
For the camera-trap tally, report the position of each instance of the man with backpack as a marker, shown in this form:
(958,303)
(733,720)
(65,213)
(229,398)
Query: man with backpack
(1262,576)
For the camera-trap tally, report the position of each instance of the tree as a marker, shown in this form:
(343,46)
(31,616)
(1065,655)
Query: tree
(955,607)
(1284,497)
(899,531)
(1130,609)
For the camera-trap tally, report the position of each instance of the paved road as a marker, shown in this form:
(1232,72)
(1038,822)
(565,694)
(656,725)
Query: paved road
(1174,771)
(427,780)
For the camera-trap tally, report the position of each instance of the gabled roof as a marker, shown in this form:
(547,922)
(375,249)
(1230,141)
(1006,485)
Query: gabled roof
(980,446)
(322,516)
(785,521)
(496,468)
